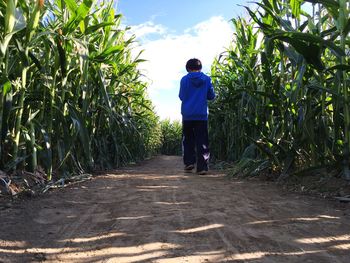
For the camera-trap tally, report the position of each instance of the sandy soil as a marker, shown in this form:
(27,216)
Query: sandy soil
(156,213)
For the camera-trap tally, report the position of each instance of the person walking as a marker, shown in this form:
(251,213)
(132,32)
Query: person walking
(195,90)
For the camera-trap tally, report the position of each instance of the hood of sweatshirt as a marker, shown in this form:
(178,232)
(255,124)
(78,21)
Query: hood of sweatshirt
(197,79)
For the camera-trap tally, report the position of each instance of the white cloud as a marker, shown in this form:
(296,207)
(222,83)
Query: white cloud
(168,54)
(147,28)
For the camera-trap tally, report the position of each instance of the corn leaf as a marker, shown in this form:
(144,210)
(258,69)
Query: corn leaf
(72,6)
(94,28)
(80,14)
(307,38)
(296,6)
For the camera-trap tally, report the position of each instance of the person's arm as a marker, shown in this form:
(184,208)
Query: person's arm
(211,93)
(181,93)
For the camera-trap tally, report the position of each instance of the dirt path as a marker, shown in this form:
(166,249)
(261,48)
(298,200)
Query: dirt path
(156,213)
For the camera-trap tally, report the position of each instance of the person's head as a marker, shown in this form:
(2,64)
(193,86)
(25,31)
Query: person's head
(193,64)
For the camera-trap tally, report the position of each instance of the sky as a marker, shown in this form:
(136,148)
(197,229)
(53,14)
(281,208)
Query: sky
(172,31)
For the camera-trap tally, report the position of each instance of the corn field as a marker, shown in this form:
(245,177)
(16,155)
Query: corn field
(72,98)
(171,137)
(283,89)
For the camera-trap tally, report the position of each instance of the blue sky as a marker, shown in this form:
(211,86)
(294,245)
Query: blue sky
(177,14)
(172,31)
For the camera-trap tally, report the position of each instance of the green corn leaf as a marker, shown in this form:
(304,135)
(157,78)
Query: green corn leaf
(10,17)
(303,26)
(296,37)
(4,44)
(72,6)
(105,94)
(296,6)
(268,4)
(7,108)
(341,67)
(6,87)
(82,26)
(94,28)
(108,52)
(257,20)
(62,57)
(292,55)
(330,91)
(347,28)
(281,22)
(34,20)
(266,68)
(35,60)
(80,126)
(330,31)
(80,14)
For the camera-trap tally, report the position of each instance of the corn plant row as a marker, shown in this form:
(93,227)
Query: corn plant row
(72,98)
(283,89)
(171,137)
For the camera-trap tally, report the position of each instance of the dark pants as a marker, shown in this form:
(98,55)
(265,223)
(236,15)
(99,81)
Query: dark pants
(195,140)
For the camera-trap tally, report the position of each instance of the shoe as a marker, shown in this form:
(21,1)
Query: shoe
(204,172)
(189,168)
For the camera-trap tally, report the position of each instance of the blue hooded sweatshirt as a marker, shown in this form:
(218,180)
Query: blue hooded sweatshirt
(195,89)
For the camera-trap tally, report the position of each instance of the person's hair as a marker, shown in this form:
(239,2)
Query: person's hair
(193,64)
